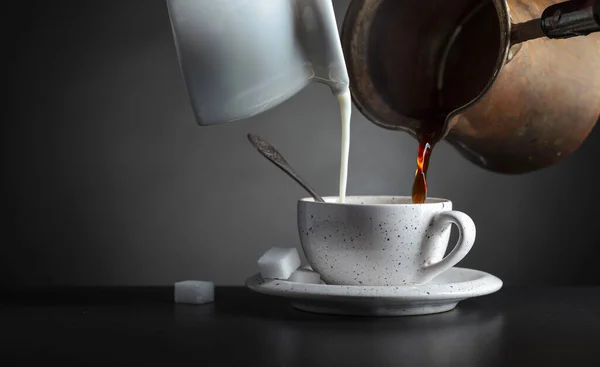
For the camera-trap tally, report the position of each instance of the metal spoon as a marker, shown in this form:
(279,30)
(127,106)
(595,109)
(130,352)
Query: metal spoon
(269,152)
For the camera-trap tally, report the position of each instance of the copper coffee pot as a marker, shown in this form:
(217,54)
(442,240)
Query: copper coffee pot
(516,91)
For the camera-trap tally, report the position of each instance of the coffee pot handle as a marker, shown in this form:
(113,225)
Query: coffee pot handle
(559,21)
(466,238)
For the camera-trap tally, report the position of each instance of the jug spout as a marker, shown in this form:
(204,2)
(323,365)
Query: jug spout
(568,19)
(320,40)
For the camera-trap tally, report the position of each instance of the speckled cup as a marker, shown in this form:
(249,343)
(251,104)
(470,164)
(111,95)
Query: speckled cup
(381,240)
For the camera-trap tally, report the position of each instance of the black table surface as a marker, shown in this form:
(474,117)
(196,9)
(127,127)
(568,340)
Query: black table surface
(142,326)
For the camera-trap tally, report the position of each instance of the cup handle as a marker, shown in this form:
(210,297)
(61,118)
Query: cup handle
(466,238)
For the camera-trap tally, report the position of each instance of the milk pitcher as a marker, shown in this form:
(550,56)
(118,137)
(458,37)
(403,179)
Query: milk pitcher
(242,57)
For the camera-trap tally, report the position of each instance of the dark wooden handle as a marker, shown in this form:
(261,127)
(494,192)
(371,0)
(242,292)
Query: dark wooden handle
(571,19)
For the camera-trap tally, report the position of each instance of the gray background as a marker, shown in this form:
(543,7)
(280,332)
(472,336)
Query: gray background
(108,179)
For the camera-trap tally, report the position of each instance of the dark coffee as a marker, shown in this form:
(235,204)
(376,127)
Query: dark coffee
(429,134)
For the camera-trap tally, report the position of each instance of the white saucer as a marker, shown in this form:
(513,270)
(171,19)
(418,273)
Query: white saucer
(439,295)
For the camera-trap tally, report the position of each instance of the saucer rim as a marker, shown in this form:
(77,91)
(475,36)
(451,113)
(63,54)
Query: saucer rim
(484,283)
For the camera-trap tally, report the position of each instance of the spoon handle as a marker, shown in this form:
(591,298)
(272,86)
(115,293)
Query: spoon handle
(269,152)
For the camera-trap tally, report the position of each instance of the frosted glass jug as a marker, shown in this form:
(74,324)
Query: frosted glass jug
(242,57)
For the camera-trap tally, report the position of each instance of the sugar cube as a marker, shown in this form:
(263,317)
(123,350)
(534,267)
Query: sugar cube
(279,263)
(305,276)
(194,292)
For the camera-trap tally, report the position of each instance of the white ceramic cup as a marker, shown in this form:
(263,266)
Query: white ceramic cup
(381,240)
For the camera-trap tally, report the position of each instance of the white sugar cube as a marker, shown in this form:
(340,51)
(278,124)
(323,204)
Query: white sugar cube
(195,292)
(279,263)
(305,276)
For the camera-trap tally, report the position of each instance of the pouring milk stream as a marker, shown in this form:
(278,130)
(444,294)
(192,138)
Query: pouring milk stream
(345,110)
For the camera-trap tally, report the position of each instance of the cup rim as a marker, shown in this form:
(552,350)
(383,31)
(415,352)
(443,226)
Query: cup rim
(332,200)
